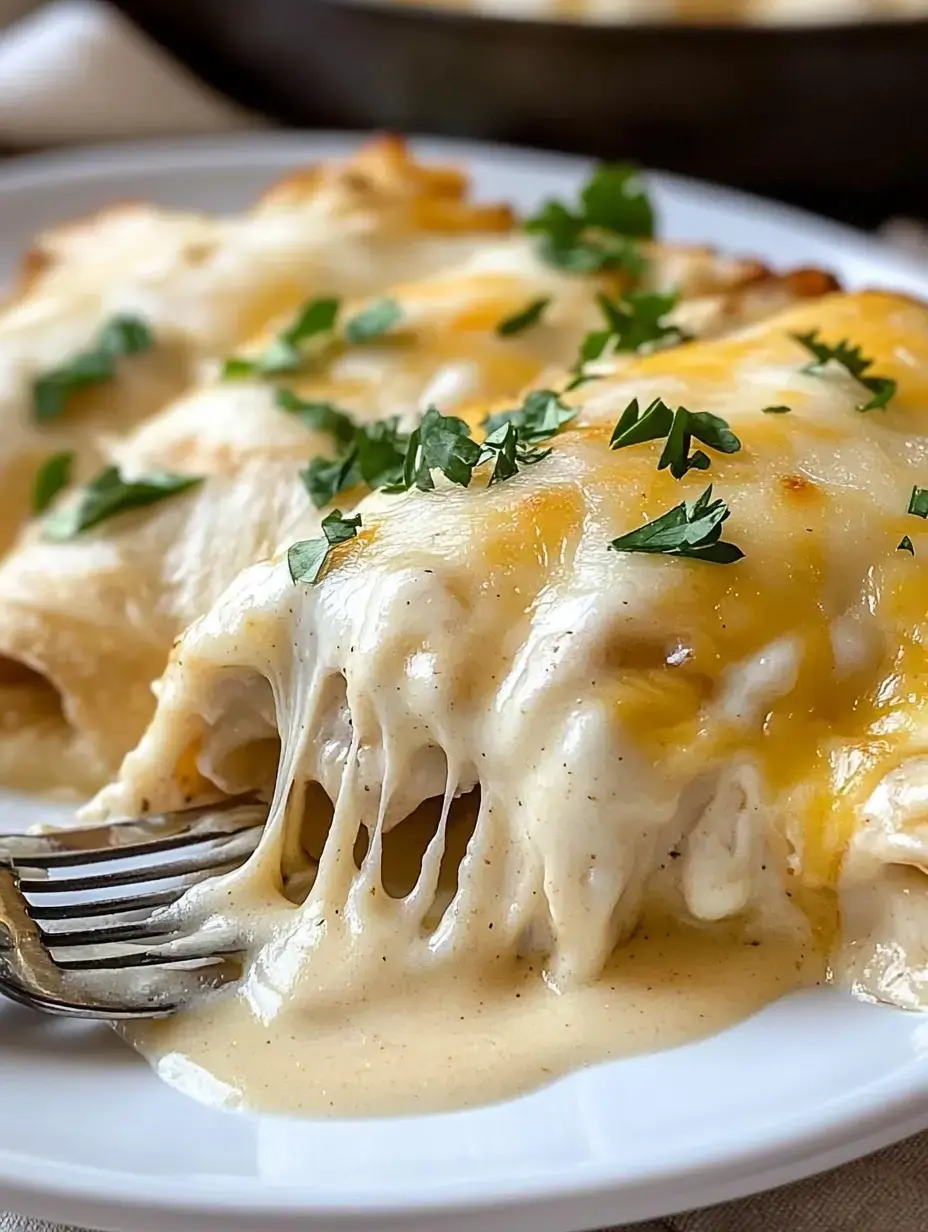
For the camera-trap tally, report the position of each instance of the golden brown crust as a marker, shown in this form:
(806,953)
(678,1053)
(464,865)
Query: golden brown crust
(383,174)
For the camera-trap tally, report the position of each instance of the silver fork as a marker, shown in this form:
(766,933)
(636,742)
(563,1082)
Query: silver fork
(69,945)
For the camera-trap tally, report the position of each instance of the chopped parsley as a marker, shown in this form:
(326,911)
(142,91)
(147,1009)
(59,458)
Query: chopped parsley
(636,426)
(918,502)
(636,322)
(776,410)
(852,359)
(286,353)
(711,430)
(376,319)
(693,531)
(918,506)
(53,475)
(307,557)
(325,478)
(541,416)
(600,233)
(319,416)
(505,446)
(528,316)
(380,455)
(679,427)
(615,199)
(376,458)
(121,336)
(110,494)
(441,442)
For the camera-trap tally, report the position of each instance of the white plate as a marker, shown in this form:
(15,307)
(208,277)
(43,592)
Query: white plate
(88,1135)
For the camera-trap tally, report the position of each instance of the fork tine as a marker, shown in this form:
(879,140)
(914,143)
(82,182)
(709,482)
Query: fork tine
(59,970)
(221,827)
(160,832)
(109,906)
(106,934)
(143,958)
(131,876)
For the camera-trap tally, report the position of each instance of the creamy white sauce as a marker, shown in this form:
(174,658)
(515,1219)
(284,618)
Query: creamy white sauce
(510,771)
(493,839)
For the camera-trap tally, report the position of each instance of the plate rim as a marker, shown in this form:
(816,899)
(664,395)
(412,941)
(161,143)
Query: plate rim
(878,1114)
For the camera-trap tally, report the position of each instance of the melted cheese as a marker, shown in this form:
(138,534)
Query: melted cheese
(124,592)
(204,284)
(639,744)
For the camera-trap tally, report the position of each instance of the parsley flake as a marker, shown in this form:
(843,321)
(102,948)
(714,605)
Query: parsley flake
(503,445)
(906,545)
(319,416)
(776,410)
(528,316)
(601,232)
(121,336)
(615,198)
(636,426)
(109,494)
(918,502)
(852,359)
(376,458)
(325,478)
(307,557)
(441,442)
(693,531)
(286,352)
(679,427)
(376,319)
(541,416)
(53,475)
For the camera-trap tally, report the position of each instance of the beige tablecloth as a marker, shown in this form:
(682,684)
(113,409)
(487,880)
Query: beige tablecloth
(886,1192)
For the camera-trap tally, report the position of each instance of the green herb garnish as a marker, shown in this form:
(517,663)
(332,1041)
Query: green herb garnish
(852,359)
(505,447)
(53,475)
(307,557)
(110,494)
(376,458)
(711,430)
(776,410)
(600,233)
(528,316)
(376,319)
(693,531)
(286,352)
(635,427)
(635,322)
(918,502)
(123,335)
(441,442)
(615,199)
(679,427)
(319,416)
(541,416)
(325,478)
(906,545)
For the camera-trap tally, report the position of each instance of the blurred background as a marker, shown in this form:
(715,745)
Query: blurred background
(821,103)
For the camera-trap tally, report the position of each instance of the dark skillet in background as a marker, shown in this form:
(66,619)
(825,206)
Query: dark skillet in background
(833,118)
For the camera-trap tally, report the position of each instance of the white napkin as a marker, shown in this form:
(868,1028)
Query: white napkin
(77,70)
